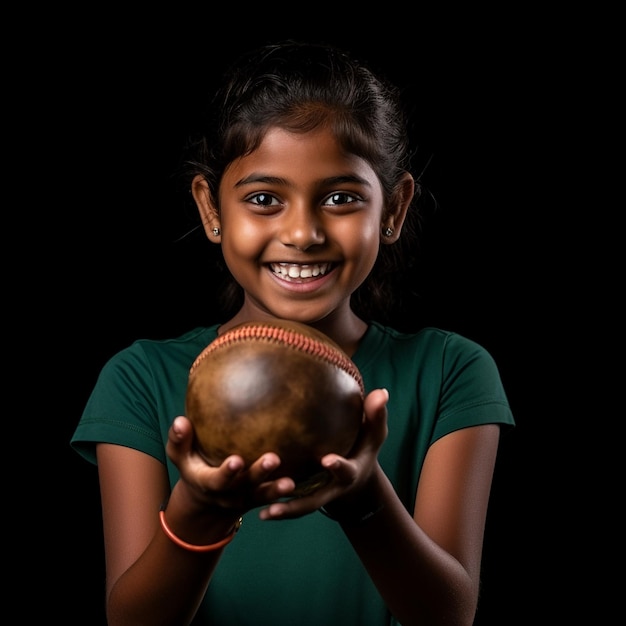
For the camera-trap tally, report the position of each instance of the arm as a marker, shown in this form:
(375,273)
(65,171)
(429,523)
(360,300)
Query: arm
(426,567)
(149,579)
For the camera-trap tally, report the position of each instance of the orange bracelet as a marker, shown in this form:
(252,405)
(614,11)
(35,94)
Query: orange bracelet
(193,547)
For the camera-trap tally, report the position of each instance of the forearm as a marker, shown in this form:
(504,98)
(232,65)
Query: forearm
(167,582)
(420,582)
(164,586)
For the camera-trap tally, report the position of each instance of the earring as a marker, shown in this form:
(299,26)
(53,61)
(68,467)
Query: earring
(216,231)
(387,232)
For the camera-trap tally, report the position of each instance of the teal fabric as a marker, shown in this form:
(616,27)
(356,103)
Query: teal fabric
(302,571)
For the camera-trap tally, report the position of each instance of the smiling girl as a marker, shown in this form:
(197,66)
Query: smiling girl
(303,179)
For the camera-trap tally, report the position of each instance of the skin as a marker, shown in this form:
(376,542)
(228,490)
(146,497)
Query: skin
(300,200)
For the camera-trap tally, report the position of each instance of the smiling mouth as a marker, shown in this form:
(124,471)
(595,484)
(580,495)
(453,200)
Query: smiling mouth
(293,271)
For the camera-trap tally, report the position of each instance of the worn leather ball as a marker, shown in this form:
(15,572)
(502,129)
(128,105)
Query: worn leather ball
(280,387)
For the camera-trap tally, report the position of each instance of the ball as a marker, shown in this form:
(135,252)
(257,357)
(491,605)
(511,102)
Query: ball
(275,386)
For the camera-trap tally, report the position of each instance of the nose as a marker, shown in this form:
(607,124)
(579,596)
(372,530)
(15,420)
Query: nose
(302,228)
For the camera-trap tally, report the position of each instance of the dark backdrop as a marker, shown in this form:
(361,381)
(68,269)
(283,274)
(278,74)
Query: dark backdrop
(114,103)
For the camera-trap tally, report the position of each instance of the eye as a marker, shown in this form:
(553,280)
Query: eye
(340,197)
(263,199)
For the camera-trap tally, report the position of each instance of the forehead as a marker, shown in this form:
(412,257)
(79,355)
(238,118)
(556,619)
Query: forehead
(313,153)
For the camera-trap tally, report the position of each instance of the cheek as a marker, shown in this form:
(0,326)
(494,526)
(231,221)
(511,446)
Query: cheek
(364,240)
(242,248)
(241,241)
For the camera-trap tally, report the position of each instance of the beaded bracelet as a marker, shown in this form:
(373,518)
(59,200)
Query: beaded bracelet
(193,547)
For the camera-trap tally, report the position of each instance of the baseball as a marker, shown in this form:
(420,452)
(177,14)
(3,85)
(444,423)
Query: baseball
(280,387)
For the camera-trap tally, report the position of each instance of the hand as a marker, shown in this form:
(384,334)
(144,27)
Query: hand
(350,476)
(231,486)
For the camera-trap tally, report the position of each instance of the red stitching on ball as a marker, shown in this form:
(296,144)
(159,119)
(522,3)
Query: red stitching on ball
(288,337)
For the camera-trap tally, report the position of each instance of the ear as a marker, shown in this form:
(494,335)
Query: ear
(395,213)
(206,207)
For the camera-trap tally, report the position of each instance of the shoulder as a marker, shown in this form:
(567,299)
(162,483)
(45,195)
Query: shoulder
(157,354)
(428,342)
(438,379)
(444,365)
(138,391)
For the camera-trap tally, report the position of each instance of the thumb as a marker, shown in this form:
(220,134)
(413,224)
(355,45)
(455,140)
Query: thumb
(179,438)
(375,407)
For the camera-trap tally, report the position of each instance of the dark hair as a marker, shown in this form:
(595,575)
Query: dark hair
(299,87)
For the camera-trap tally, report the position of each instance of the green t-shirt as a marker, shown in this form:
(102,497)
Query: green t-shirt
(304,571)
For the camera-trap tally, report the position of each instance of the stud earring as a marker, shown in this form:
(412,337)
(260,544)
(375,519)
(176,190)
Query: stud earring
(216,231)
(387,232)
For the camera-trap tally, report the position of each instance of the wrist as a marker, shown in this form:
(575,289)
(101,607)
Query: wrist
(194,547)
(352,516)
(197,521)
(353,512)
(356,509)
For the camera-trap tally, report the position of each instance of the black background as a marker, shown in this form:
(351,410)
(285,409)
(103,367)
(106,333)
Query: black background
(108,106)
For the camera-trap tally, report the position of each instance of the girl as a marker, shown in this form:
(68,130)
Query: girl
(302,178)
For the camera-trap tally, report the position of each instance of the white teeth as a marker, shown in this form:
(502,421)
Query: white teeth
(299,271)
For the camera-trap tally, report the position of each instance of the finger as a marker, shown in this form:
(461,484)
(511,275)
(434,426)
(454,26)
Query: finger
(375,424)
(375,404)
(262,468)
(232,466)
(265,471)
(273,490)
(179,438)
(344,471)
(289,509)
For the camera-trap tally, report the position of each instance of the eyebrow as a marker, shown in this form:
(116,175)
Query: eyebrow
(276,180)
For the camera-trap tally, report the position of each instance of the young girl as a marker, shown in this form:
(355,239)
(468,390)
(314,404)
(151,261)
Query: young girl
(303,180)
